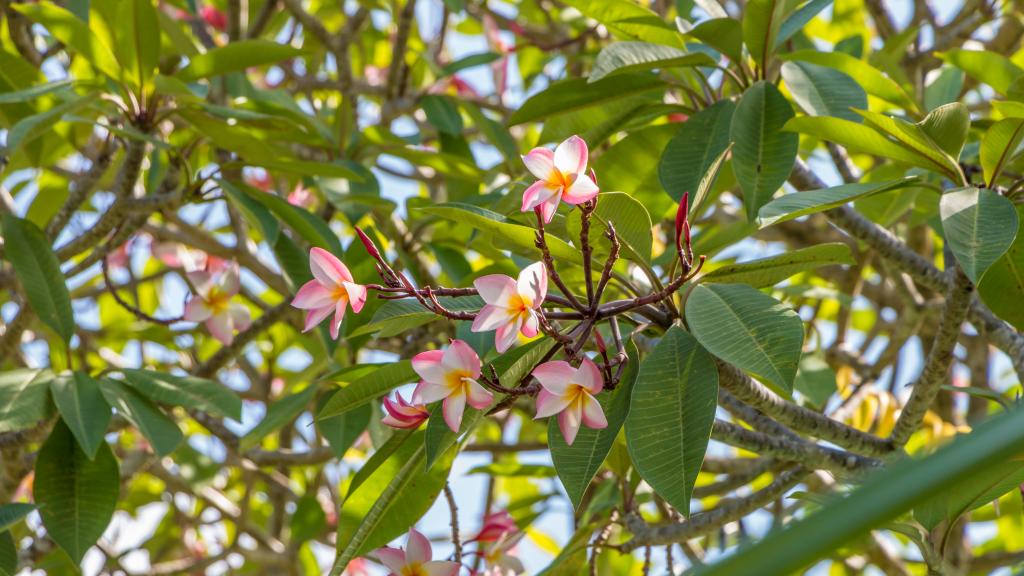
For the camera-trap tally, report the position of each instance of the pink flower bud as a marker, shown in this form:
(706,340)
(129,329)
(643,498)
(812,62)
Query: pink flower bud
(600,342)
(214,17)
(368,244)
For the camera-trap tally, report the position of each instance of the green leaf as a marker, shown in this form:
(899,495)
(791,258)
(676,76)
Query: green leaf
(1002,287)
(762,154)
(577,464)
(944,89)
(761,22)
(399,316)
(979,226)
(157,427)
(857,138)
(33,92)
(632,226)
(8,555)
(312,229)
(38,270)
(141,49)
(343,430)
(623,57)
(991,68)
(947,126)
(24,398)
(442,113)
(749,329)
(971,494)
(800,204)
(367,388)
(186,391)
(76,495)
(522,237)
(389,500)
(823,91)
(881,498)
(670,416)
(722,34)
(478,59)
(999,146)
(236,57)
(83,409)
(11,514)
(815,380)
(871,79)
(799,19)
(75,34)
(281,412)
(629,20)
(694,150)
(577,93)
(914,139)
(765,272)
(36,125)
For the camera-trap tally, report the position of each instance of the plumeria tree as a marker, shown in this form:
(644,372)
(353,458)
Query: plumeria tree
(542,286)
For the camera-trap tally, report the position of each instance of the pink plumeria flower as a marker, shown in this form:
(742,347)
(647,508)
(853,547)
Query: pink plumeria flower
(415,560)
(402,414)
(569,392)
(501,559)
(511,305)
(451,375)
(302,197)
(561,176)
(495,526)
(212,303)
(188,259)
(331,290)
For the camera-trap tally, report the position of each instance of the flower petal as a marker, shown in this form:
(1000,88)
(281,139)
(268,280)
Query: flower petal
(428,392)
(452,408)
(339,315)
(581,190)
(460,356)
(589,376)
(533,284)
(548,209)
(202,281)
(555,376)
(441,568)
(312,295)
(196,310)
(540,162)
(316,316)
(569,422)
(356,295)
(593,414)
(220,328)
(393,558)
(228,280)
(491,317)
(538,193)
(428,365)
(417,548)
(240,318)
(506,336)
(477,395)
(531,326)
(327,269)
(495,289)
(571,156)
(549,404)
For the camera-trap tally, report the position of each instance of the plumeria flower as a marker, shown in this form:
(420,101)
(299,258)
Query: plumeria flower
(569,392)
(415,560)
(331,290)
(302,197)
(214,17)
(188,259)
(402,414)
(495,526)
(451,375)
(561,176)
(212,303)
(500,559)
(511,305)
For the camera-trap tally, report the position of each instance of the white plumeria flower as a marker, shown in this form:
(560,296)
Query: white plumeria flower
(561,176)
(212,303)
(450,375)
(511,305)
(569,392)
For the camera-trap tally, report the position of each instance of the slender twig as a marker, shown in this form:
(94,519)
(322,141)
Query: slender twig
(453,509)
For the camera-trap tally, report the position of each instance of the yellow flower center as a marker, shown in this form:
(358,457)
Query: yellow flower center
(339,293)
(558,178)
(414,570)
(218,301)
(457,380)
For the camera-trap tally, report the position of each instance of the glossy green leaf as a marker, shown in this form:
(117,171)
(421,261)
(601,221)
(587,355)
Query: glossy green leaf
(442,112)
(632,226)
(800,204)
(797,20)
(141,50)
(343,430)
(33,92)
(694,149)
(279,413)
(979,225)
(14,512)
(871,79)
(369,387)
(186,391)
(815,380)
(993,69)
(623,57)
(8,555)
(945,88)
(35,126)
(1002,287)
(83,409)
(856,138)
(823,91)
(749,329)
(915,140)
(24,398)
(947,126)
(236,57)
(671,413)
(76,495)
(629,20)
(38,270)
(765,272)
(999,146)
(75,34)
(577,93)
(973,493)
(577,464)
(761,22)
(881,498)
(762,154)
(157,427)
(722,34)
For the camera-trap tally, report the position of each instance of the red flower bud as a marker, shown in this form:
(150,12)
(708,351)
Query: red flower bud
(600,342)
(214,17)
(682,222)
(368,244)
